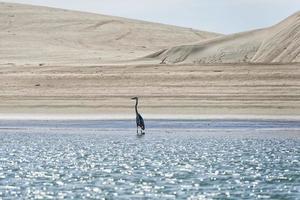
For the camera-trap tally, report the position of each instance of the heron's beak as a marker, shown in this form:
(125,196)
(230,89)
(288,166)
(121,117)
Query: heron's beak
(133,98)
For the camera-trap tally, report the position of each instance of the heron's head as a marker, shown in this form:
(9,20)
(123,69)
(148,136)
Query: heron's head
(134,98)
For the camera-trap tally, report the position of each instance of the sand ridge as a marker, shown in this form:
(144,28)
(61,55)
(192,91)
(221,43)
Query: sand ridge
(42,35)
(277,44)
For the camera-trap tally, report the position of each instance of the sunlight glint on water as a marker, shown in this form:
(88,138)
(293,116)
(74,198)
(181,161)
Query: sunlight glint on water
(106,159)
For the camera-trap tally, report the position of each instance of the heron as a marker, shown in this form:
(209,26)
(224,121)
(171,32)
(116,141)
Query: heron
(139,119)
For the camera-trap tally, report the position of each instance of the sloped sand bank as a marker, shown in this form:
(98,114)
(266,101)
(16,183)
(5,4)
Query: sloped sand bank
(163,90)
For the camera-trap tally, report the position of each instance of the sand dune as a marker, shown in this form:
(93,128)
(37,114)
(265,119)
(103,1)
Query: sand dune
(58,62)
(41,35)
(277,44)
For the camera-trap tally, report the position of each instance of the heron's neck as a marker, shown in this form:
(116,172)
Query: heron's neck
(136,104)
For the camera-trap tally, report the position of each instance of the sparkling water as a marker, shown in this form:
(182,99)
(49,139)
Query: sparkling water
(174,160)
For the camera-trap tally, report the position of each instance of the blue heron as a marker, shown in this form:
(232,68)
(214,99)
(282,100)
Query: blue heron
(139,119)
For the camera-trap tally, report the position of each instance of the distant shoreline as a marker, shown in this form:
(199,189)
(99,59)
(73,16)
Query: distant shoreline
(88,117)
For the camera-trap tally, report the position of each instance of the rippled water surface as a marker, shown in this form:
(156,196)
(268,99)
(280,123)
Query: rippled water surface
(174,160)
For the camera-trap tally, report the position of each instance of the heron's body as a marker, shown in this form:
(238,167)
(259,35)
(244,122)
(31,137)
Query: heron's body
(139,119)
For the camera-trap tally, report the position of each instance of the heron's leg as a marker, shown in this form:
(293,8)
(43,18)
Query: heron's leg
(137,130)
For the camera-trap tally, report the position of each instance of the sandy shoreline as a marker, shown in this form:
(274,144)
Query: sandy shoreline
(164,90)
(42,117)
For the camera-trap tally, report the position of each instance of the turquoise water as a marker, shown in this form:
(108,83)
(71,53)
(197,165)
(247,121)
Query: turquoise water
(174,160)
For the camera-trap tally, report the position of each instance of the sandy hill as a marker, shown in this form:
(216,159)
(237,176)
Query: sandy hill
(276,44)
(34,34)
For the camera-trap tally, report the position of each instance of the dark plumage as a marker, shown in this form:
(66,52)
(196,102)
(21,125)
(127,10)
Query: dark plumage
(139,119)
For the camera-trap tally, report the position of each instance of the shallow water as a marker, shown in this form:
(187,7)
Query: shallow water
(174,160)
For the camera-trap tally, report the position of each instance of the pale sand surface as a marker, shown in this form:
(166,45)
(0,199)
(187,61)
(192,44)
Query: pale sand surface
(64,64)
(164,90)
(41,35)
(121,116)
(277,44)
